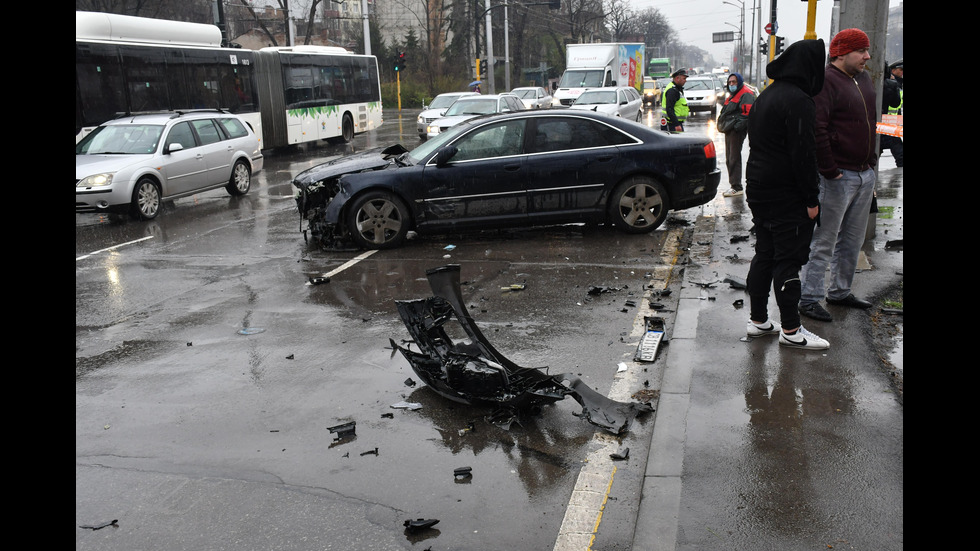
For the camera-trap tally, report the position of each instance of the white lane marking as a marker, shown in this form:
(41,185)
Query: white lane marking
(347,264)
(84,256)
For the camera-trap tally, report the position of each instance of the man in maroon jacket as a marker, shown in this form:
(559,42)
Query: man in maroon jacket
(846,155)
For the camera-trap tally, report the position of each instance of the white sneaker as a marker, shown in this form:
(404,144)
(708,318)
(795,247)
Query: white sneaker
(803,339)
(768,328)
(734,193)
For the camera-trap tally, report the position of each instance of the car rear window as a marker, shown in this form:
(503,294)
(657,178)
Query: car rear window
(207,131)
(233,127)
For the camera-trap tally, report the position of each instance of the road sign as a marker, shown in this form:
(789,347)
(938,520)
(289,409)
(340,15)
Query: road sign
(772,28)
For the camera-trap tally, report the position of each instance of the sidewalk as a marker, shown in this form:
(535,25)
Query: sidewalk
(760,447)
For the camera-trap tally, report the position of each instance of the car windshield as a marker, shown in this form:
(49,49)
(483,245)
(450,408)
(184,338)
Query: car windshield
(596,97)
(699,84)
(121,139)
(426,148)
(525,94)
(442,102)
(473,107)
(581,79)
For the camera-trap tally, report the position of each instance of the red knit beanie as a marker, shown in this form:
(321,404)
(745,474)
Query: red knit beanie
(847,41)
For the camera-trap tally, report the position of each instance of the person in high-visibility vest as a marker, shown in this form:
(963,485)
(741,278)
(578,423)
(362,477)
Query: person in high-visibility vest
(675,104)
(891,104)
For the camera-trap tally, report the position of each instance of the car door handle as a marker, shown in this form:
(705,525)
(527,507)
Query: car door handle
(604,158)
(512,168)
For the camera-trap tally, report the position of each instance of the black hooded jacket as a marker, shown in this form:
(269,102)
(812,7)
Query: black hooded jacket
(781,172)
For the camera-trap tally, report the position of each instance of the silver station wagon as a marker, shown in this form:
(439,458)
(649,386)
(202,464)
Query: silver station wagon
(133,163)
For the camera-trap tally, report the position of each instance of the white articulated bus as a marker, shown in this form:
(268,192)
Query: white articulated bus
(126,65)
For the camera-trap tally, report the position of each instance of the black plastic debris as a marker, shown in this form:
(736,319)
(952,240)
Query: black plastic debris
(620,455)
(473,371)
(735,282)
(409,382)
(654,328)
(342,431)
(895,244)
(738,303)
(387,415)
(370,452)
(319,280)
(739,238)
(463,472)
(290,357)
(420,524)
(101,526)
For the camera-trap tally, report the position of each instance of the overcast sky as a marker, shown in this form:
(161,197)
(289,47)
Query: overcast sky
(696,20)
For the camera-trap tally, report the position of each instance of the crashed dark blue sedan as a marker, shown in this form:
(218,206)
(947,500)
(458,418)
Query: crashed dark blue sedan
(519,169)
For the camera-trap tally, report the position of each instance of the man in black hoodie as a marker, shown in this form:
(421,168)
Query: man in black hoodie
(782,191)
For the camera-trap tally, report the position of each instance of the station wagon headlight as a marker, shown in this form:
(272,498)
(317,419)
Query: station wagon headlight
(96,180)
(433,130)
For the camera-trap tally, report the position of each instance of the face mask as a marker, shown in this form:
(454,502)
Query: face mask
(732,88)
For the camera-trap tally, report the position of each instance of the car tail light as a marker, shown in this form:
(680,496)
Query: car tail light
(709,150)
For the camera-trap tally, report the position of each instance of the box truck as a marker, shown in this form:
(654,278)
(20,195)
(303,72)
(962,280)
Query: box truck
(599,65)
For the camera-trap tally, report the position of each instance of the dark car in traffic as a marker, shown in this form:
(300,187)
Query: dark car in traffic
(518,169)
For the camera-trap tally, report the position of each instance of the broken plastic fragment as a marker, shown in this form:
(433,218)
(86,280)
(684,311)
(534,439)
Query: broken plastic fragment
(370,452)
(621,454)
(250,330)
(622,367)
(319,280)
(514,287)
(735,282)
(407,405)
(101,526)
(473,371)
(342,431)
(409,382)
(463,472)
(420,524)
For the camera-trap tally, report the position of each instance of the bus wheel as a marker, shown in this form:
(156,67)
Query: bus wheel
(346,130)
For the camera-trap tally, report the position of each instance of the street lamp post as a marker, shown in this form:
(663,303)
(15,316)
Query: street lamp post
(741,32)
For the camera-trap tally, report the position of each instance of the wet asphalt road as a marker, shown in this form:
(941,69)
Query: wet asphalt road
(209,371)
(195,436)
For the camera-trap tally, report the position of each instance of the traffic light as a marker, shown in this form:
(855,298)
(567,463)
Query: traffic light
(780,43)
(400,62)
(764,48)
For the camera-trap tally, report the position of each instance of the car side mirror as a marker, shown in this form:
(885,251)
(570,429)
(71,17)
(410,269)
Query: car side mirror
(176,146)
(445,154)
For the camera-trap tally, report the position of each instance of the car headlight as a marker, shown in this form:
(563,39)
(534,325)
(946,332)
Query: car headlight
(420,120)
(433,129)
(96,180)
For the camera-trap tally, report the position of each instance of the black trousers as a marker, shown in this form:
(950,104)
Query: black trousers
(782,247)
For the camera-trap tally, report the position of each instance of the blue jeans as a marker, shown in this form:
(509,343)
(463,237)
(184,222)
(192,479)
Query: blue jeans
(845,204)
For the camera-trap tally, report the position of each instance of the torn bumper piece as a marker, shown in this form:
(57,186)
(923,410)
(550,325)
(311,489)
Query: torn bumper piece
(475,373)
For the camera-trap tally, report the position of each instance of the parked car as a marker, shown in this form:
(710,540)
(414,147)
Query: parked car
(702,95)
(527,168)
(469,107)
(437,109)
(134,163)
(621,101)
(534,97)
(651,92)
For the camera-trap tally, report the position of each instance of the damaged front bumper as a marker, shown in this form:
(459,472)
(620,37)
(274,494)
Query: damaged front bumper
(474,372)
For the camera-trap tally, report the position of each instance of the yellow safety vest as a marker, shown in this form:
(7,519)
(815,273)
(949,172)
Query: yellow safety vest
(681,110)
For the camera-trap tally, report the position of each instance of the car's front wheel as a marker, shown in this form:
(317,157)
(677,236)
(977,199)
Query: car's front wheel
(638,205)
(146,199)
(378,220)
(241,179)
